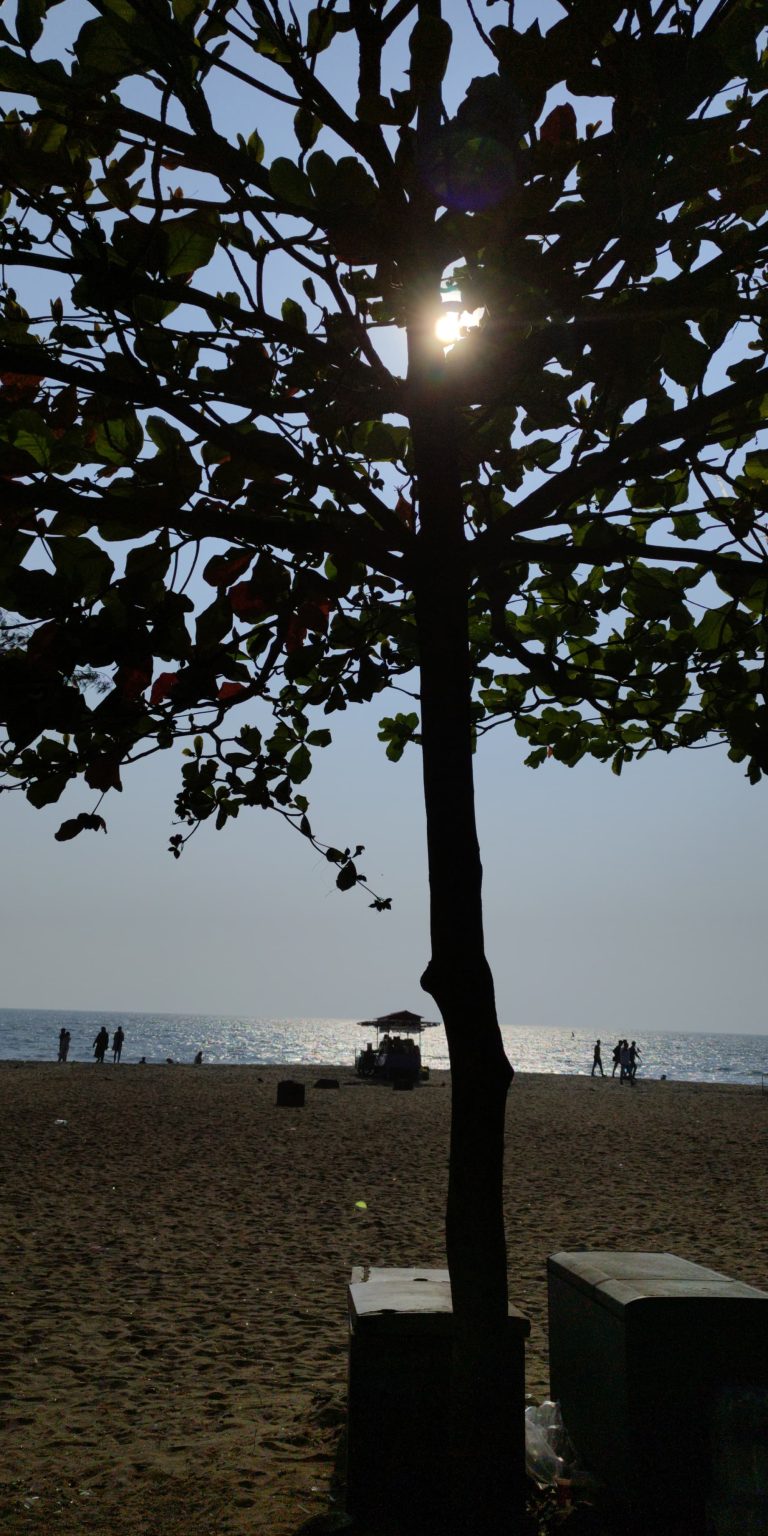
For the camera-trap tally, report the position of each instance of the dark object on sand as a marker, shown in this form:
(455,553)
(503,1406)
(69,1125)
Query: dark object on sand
(400,1339)
(327,1082)
(290,1095)
(199,1059)
(646,1352)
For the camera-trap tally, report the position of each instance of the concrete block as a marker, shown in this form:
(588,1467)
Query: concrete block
(399,1390)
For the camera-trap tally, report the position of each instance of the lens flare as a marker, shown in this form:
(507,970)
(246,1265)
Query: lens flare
(454,324)
(448,328)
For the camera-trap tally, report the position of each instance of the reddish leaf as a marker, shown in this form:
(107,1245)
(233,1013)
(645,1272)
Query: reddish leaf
(20,388)
(231,691)
(222,570)
(314,615)
(246,604)
(560,126)
(163,687)
(295,634)
(404,510)
(132,680)
(64,410)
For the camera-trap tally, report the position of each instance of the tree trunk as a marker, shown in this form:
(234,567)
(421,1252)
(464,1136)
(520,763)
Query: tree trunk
(459,979)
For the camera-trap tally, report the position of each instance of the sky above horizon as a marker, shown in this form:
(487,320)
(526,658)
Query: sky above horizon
(619,905)
(624,904)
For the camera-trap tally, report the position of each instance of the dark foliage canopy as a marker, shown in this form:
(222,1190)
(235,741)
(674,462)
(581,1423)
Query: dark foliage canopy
(201,377)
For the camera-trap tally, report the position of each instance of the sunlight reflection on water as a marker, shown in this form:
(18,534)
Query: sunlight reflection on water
(32,1035)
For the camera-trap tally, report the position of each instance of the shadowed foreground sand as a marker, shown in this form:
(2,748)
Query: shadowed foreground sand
(173,1326)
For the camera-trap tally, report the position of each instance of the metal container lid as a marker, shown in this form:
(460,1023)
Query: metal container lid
(618,1280)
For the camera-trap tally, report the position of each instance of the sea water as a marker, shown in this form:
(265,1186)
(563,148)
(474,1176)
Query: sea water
(32,1035)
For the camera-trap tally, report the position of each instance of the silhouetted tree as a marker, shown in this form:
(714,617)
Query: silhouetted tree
(556,522)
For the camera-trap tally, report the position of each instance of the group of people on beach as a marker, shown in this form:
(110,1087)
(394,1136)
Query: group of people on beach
(390,1048)
(626,1056)
(393,1054)
(100,1044)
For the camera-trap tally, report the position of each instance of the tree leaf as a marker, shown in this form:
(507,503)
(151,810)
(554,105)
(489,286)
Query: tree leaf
(430,47)
(293,314)
(289,184)
(299,765)
(223,570)
(321,28)
(84,566)
(684,358)
(78,824)
(31,435)
(347,876)
(29,21)
(190,243)
(306,126)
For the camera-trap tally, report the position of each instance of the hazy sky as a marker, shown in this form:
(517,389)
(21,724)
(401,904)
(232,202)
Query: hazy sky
(635,902)
(622,905)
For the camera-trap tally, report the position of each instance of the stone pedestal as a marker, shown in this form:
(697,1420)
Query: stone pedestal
(647,1351)
(399,1388)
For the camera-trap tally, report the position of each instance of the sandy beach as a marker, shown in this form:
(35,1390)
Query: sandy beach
(176,1251)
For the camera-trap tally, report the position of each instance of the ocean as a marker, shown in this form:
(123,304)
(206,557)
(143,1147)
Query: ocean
(29,1034)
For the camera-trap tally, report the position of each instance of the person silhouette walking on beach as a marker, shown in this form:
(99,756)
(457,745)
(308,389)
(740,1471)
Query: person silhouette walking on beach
(100,1044)
(117,1044)
(62,1044)
(597,1061)
(616,1056)
(65,1045)
(634,1057)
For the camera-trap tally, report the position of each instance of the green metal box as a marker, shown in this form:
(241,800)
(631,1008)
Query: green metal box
(648,1355)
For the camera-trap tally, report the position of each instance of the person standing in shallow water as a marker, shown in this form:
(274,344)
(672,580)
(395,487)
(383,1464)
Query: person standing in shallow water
(597,1061)
(117,1043)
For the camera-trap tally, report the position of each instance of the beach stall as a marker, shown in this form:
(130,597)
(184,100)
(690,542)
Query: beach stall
(396,1058)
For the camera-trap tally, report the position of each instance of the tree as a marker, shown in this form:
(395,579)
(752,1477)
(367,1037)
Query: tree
(556,522)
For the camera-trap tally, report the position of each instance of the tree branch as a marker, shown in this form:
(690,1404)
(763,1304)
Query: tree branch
(692,423)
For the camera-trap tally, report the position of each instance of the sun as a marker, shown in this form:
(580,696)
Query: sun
(448,327)
(454,324)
